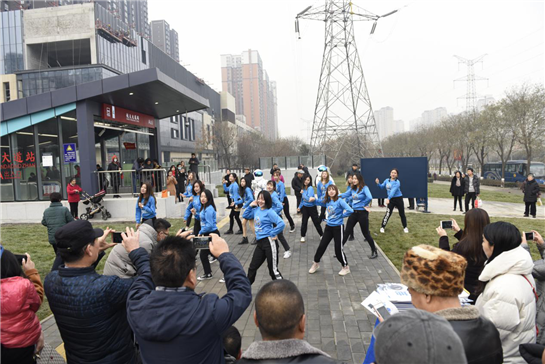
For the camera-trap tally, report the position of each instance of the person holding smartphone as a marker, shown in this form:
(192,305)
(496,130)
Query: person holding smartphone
(207,216)
(395,199)
(267,226)
(539,275)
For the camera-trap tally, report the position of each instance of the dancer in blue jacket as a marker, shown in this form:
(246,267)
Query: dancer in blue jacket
(248,213)
(395,199)
(337,210)
(194,207)
(281,190)
(207,216)
(360,198)
(267,226)
(277,207)
(146,205)
(308,208)
(321,189)
(236,204)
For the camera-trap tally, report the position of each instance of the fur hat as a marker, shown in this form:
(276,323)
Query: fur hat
(433,271)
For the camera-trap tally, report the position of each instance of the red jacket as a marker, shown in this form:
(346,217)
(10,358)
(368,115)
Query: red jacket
(73,196)
(20,302)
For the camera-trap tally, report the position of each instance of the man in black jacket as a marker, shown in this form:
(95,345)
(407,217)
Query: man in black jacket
(353,171)
(280,316)
(297,185)
(437,292)
(472,189)
(248,176)
(171,322)
(89,308)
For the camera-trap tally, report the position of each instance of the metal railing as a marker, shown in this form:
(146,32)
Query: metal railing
(130,180)
(292,162)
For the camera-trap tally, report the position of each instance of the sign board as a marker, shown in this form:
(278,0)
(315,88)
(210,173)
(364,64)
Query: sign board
(47,160)
(70,153)
(120,115)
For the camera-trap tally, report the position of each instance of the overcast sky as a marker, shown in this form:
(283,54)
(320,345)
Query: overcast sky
(408,63)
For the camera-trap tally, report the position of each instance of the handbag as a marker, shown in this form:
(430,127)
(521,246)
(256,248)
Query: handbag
(539,202)
(164,194)
(478,203)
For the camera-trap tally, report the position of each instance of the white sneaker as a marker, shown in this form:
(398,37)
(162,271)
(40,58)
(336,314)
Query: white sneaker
(222,280)
(303,239)
(406,230)
(314,268)
(344,271)
(287,254)
(292,230)
(382,230)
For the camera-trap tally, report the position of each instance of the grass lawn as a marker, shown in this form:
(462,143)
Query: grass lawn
(32,239)
(436,190)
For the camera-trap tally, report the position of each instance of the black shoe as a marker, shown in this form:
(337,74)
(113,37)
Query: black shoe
(244,241)
(526,215)
(228,232)
(205,277)
(373,255)
(454,209)
(351,238)
(534,216)
(238,232)
(254,242)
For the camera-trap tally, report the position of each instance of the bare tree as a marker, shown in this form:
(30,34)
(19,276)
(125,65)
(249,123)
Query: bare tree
(501,132)
(225,139)
(480,139)
(525,106)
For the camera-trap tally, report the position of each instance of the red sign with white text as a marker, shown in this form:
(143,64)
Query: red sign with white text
(114,113)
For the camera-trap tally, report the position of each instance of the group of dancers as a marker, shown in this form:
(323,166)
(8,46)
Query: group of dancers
(262,205)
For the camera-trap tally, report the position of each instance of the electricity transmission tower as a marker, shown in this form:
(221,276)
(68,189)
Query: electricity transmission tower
(343,111)
(471,78)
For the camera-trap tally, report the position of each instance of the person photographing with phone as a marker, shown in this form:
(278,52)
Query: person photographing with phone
(173,323)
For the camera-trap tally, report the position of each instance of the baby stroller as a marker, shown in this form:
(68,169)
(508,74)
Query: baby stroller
(95,206)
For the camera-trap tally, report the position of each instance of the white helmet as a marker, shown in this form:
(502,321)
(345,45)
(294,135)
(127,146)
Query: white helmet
(258,173)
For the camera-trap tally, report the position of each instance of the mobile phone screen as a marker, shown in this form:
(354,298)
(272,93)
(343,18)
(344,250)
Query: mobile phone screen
(384,312)
(447,224)
(201,242)
(20,257)
(529,236)
(117,238)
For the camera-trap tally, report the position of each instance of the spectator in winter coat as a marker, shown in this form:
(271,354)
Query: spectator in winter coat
(115,175)
(531,193)
(171,322)
(508,298)
(55,216)
(248,176)
(471,188)
(274,168)
(304,168)
(137,176)
(232,342)
(457,187)
(470,246)
(181,176)
(439,295)
(280,317)
(21,297)
(538,273)
(353,171)
(120,264)
(74,192)
(171,183)
(194,164)
(297,185)
(89,308)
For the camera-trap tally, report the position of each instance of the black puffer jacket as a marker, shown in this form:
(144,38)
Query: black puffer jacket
(479,336)
(476,184)
(531,191)
(455,190)
(90,311)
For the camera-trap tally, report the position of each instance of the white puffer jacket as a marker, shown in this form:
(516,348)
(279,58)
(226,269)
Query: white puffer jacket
(509,301)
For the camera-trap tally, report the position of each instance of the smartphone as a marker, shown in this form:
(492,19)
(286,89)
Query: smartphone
(447,224)
(382,311)
(20,258)
(118,239)
(529,236)
(201,242)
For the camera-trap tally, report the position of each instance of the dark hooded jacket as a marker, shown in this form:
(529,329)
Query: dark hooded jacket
(531,191)
(183,326)
(457,190)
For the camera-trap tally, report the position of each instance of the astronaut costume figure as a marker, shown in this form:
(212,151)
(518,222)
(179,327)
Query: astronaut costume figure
(259,183)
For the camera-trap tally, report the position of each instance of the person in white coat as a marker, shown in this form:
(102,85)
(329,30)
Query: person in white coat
(508,298)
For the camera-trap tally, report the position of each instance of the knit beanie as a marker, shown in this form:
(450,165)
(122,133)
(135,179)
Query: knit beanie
(433,271)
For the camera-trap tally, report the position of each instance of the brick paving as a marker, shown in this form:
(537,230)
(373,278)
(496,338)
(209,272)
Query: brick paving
(336,321)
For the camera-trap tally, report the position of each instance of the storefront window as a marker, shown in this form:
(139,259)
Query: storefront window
(143,146)
(50,157)
(128,150)
(70,165)
(23,163)
(6,183)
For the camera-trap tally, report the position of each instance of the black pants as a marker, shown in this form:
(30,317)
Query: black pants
(283,241)
(234,215)
(287,211)
(265,249)
(470,196)
(204,254)
(229,200)
(313,214)
(380,201)
(188,222)
(459,199)
(362,217)
(411,203)
(336,233)
(74,209)
(395,202)
(18,355)
(531,207)
(196,227)
(298,196)
(116,187)
(322,213)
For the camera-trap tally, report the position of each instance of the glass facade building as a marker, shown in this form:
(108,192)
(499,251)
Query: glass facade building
(11,44)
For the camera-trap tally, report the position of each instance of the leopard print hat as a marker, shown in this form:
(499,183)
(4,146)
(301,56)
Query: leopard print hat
(433,271)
